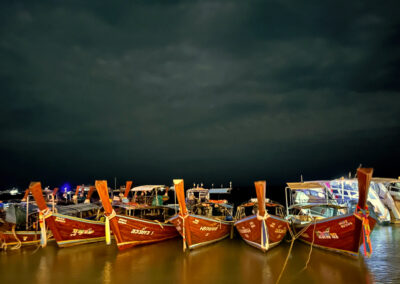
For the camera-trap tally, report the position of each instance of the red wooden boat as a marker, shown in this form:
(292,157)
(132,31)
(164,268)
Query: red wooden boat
(68,226)
(198,230)
(327,226)
(262,230)
(130,230)
(19,228)
(19,238)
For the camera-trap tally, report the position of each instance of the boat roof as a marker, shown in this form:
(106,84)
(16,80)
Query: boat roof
(268,203)
(304,185)
(147,187)
(75,208)
(310,205)
(198,189)
(384,180)
(64,209)
(220,190)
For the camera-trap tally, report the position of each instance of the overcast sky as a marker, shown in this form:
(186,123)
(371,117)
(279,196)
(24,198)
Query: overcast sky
(207,91)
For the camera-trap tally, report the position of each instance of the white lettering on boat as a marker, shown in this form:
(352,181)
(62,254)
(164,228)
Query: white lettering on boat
(345,224)
(244,230)
(204,228)
(252,224)
(195,221)
(280,231)
(326,235)
(79,232)
(122,221)
(59,219)
(142,231)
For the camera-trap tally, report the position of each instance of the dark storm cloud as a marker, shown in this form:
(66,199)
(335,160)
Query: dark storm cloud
(202,89)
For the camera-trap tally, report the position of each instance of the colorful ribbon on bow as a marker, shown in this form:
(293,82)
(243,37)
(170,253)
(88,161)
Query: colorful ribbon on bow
(43,215)
(366,230)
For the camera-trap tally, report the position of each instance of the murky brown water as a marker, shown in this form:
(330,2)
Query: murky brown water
(229,261)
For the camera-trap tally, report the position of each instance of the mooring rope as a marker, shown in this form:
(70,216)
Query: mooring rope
(294,237)
(311,247)
(17,246)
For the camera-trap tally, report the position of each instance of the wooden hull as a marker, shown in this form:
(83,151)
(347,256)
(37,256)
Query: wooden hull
(342,234)
(250,229)
(134,231)
(71,231)
(201,230)
(26,238)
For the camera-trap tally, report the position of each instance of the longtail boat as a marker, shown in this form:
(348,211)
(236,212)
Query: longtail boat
(70,224)
(200,226)
(20,226)
(136,223)
(330,226)
(264,229)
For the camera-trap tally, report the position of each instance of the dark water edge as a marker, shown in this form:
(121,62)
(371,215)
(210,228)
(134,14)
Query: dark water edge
(229,261)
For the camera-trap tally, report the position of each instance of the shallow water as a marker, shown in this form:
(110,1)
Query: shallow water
(229,261)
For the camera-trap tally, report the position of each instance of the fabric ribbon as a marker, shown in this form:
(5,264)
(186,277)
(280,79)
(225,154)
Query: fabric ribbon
(43,215)
(366,231)
(264,231)
(183,230)
(108,231)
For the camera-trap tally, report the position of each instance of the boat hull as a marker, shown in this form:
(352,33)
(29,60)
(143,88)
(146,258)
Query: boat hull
(71,231)
(26,238)
(250,229)
(200,230)
(136,231)
(341,234)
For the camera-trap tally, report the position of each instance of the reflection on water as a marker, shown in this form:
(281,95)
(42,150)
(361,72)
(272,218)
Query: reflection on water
(228,261)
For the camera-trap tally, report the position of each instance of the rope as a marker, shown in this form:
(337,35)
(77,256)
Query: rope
(17,246)
(3,244)
(294,237)
(311,247)
(159,223)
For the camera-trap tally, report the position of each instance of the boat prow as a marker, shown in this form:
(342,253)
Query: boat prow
(262,230)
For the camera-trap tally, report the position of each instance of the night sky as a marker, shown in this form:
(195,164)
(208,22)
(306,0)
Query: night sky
(208,91)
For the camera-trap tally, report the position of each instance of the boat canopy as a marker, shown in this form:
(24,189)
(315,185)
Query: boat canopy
(310,205)
(198,189)
(304,185)
(384,180)
(226,205)
(147,187)
(220,190)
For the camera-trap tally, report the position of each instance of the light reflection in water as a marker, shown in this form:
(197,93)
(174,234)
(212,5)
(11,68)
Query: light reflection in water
(228,261)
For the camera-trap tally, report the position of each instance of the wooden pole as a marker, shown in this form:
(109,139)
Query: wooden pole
(260,190)
(102,189)
(127,188)
(364,176)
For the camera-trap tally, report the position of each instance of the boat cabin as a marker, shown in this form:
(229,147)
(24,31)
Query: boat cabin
(148,202)
(251,208)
